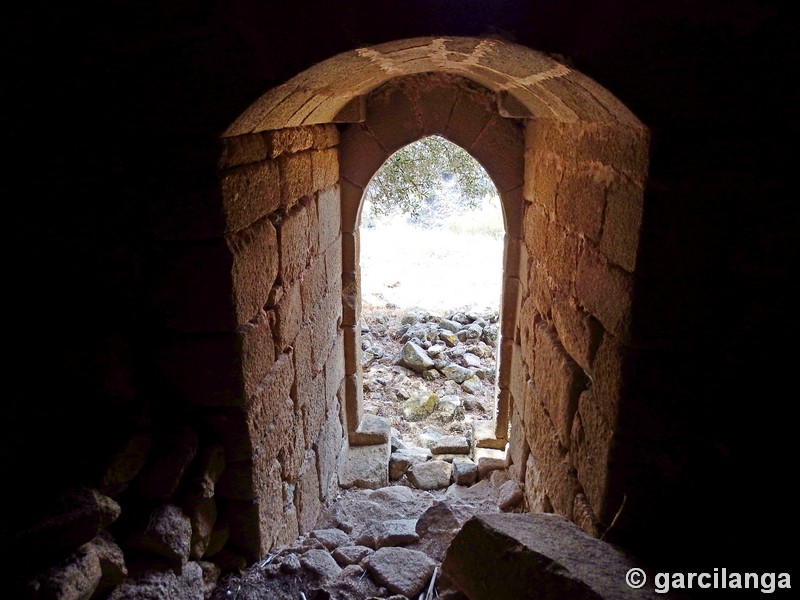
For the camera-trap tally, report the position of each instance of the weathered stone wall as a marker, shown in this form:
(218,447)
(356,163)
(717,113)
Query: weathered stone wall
(584,193)
(281,425)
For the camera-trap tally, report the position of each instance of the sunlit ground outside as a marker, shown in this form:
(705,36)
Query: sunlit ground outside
(449,262)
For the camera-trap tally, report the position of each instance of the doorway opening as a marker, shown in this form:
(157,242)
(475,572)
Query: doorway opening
(431,283)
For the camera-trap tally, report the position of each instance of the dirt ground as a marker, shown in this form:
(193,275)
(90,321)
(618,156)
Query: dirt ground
(435,269)
(439,272)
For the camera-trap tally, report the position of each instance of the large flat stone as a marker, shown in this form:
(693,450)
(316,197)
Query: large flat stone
(372,430)
(400,570)
(366,467)
(534,557)
(431,475)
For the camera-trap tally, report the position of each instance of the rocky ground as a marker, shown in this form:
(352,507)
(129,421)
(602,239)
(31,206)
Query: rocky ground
(427,377)
(384,543)
(427,372)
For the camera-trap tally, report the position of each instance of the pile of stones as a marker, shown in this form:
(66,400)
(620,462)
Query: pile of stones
(424,368)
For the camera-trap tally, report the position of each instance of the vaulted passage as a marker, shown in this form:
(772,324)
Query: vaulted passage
(569,163)
(184,183)
(256,281)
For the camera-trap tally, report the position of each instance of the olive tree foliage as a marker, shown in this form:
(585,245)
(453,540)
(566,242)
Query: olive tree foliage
(413,176)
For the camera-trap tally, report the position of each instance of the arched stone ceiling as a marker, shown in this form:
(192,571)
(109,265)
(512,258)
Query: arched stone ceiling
(527,84)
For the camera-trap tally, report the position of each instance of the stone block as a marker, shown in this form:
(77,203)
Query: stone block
(361,155)
(540,287)
(287,141)
(510,306)
(288,317)
(254,268)
(545,170)
(292,447)
(392,118)
(579,332)
(366,467)
(257,342)
(325,135)
(563,247)
(255,524)
(558,380)
(302,366)
(557,475)
(329,213)
(249,193)
(297,240)
(513,212)
(350,198)
(333,266)
(536,499)
(435,102)
(583,516)
(334,369)
(519,374)
(605,290)
(307,494)
(202,513)
(465,472)
(430,475)
(489,460)
(471,112)
(372,430)
(400,570)
(484,435)
(324,169)
(77,575)
(242,150)
(324,329)
(267,402)
(623,220)
(352,348)
(504,362)
(499,148)
(625,148)
(313,286)
(518,448)
(590,452)
(581,200)
(354,400)
(528,556)
(536,223)
(296,177)
(313,409)
(167,533)
(524,265)
(327,446)
(528,317)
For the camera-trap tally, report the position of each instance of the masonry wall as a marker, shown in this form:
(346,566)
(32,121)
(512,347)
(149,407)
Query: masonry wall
(583,207)
(284,431)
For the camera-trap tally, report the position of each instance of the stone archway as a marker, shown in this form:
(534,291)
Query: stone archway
(569,161)
(401,112)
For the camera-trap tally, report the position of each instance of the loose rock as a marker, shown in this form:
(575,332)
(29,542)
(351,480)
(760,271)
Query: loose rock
(401,570)
(431,475)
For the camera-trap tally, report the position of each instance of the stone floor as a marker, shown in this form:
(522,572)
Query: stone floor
(374,543)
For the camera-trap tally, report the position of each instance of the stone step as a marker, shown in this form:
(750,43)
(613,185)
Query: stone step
(484,436)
